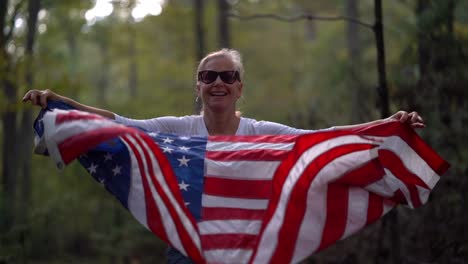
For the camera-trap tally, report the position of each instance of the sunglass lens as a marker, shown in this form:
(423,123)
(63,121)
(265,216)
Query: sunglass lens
(208,76)
(228,76)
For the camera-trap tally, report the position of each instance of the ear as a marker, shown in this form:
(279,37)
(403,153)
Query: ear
(197,89)
(241,88)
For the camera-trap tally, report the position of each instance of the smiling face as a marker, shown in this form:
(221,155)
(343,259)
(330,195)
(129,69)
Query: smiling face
(219,96)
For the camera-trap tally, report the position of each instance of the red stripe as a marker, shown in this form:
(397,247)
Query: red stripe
(336,215)
(303,143)
(228,241)
(186,239)
(254,154)
(406,133)
(255,138)
(216,213)
(248,189)
(375,208)
(369,173)
(153,217)
(411,180)
(80,143)
(171,181)
(76,116)
(297,205)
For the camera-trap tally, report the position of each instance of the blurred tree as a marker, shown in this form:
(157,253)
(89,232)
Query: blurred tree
(26,143)
(224,38)
(354,56)
(8,68)
(199,6)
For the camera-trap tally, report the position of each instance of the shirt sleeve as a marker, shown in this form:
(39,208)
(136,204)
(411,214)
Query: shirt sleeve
(165,124)
(272,128)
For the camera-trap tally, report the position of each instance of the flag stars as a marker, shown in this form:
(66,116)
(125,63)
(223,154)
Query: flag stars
(183,186)
(183,161)
(102,181)
(167,149)
(117,170)
(107,157)
(184,138)
(168,140)
(92,169)
(184,148)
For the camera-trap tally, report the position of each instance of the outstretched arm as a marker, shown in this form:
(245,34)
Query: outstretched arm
(413,119)
(40,98)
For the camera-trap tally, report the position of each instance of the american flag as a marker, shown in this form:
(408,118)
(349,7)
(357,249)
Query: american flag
(248,199)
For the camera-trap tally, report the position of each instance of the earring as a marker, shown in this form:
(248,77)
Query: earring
(196,100)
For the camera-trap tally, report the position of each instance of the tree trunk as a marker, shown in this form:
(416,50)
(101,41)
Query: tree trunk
(382,75)
(390,222)
(354,54)
(71,35)
(25,144)
(8,116)
(103,82)
(199,39)
(223,24)
(26,121)
(132,64)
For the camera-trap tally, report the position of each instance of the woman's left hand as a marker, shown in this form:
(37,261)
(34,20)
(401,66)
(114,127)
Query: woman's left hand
(413,118)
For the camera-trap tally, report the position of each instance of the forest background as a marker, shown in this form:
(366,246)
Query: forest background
(309,64)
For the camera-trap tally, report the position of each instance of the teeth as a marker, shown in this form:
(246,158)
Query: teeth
(218,93)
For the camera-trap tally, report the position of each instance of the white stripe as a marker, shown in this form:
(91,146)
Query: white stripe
(313,223)
(191,229)
(387,206)
(334,170)
(343,164)
(217,227)
(220,201)
(251,170)
(72,128)
(423,193)
(50,138)
(161,179)
(269,240)
(401,186)
(411,160)
(358,204)
(384,187)
(229,256)
(168,223)
(236,146)
(136,195)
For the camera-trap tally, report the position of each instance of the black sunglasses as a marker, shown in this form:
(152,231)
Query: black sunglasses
(226,76)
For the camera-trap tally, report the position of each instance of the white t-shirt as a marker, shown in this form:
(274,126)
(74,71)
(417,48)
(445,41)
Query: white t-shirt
(194,125)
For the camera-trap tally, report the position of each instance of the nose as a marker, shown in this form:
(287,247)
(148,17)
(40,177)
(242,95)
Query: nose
(218,80)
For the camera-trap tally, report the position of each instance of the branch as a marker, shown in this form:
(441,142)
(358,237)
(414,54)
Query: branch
(13,18)
(301,17)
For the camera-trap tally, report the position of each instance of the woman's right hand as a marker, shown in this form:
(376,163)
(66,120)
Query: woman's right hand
(40,97)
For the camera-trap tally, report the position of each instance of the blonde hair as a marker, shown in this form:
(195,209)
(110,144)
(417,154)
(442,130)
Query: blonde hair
(233,54)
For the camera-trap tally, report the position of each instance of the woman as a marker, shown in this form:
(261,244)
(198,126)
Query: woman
(219,86)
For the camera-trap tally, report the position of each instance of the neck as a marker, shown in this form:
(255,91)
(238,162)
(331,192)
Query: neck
(224,123)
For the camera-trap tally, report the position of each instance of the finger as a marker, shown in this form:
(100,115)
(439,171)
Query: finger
(27,96)
(43,99)
(418,125)
(403,116)
(413,117)
(33,98)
